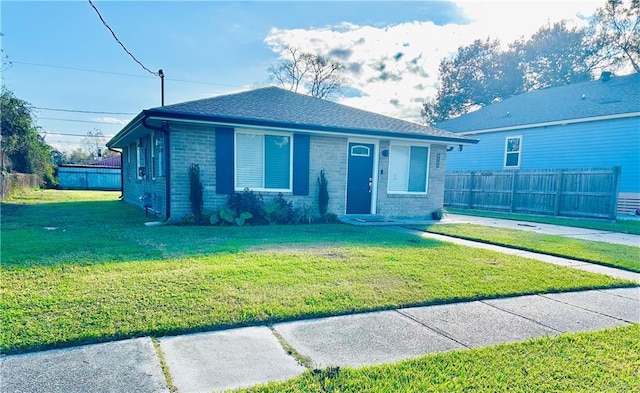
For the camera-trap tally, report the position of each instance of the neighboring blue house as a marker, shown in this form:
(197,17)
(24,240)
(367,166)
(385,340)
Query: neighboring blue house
(585,125)
(275,141)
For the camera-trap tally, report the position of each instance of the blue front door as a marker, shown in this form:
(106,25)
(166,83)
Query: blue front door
(360,178)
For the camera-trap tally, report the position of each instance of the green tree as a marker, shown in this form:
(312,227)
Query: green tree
(23,148)
(557,55)
(616,29)
(477,75)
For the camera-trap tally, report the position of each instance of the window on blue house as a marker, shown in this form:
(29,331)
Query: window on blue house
(263,161)
(512,151)
(408,169)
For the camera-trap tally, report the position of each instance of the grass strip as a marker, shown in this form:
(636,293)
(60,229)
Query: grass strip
(601,361)
(623,226)
(163,365)
(614,255)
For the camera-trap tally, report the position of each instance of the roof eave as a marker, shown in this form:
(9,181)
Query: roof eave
(306,127)
(550,123)
(125,132)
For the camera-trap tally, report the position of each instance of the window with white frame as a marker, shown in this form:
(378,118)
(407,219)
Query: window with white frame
(408,169)
(512,151)
(158,158)
(140,159)
(263,161)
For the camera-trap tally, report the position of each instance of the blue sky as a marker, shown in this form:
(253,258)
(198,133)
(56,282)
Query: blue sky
(61,55)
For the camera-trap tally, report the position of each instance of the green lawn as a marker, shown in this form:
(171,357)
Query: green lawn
(80,267)
(603,361)
(616,255)
(623,226)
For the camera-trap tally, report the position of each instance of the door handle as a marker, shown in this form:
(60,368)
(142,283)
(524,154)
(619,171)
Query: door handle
(370,184)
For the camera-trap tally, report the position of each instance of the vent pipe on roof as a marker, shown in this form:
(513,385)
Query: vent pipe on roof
(605,76)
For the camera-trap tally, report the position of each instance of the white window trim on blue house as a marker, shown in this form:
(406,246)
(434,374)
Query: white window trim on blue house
(401,169)
(255,163)
(515,152)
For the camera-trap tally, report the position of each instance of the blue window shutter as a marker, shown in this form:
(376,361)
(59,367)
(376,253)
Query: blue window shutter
(224,160)
(300,164)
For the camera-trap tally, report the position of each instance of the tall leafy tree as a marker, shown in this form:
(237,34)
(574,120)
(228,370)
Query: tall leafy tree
(23,148)
(477,75)
(312,74)
(557,55)
(616,29)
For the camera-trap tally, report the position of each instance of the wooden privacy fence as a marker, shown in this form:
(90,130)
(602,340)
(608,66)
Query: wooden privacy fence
(11,183)
(557,192)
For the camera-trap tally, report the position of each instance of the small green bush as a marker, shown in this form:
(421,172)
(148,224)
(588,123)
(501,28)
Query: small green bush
(438,214)
(248,201)
(196,191)
(323,194)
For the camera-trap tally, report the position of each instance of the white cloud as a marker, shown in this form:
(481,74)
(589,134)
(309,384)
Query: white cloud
(110,120)
(396,67)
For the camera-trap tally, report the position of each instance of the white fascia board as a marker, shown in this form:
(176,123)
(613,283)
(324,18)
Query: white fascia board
(552,123)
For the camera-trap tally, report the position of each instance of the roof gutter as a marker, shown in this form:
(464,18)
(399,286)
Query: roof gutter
(164,129)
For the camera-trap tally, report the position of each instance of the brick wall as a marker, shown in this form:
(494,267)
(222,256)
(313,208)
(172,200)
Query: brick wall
(196,144)
(135,188)
(405,205)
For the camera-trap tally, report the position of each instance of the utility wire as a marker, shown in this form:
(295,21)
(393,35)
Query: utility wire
(82,111)
(78,121)
(122,74)
(119,42)
(78,135)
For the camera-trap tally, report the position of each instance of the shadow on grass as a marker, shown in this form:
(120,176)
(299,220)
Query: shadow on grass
(97,232)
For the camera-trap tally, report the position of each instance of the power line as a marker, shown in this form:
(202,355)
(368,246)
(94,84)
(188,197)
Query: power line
(83,111)
(82,69)
(121,74)
(119,42)
(78,121)
(78,135)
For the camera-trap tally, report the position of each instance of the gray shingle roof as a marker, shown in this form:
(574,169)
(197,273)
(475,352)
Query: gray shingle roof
(276,107)
(618,95)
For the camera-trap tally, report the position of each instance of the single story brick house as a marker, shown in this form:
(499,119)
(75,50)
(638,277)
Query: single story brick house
(273,141)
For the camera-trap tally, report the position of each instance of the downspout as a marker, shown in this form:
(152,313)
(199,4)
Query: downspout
(121,197)
(165,131)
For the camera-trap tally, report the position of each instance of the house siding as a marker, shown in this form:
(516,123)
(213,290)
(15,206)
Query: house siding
(605,143)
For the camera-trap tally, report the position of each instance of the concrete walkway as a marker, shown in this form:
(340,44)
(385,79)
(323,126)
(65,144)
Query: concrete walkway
(228,359)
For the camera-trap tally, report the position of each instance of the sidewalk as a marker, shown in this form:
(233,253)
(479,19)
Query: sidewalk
(220,360)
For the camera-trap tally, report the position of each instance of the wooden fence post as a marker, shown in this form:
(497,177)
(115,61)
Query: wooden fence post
(614,192)
(514,174)
(471,185)
(558,193)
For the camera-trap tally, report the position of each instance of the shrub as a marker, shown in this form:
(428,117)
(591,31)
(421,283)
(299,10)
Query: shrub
(250,202)
(323,194)
(196,192)
(438,214)
(280,211)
